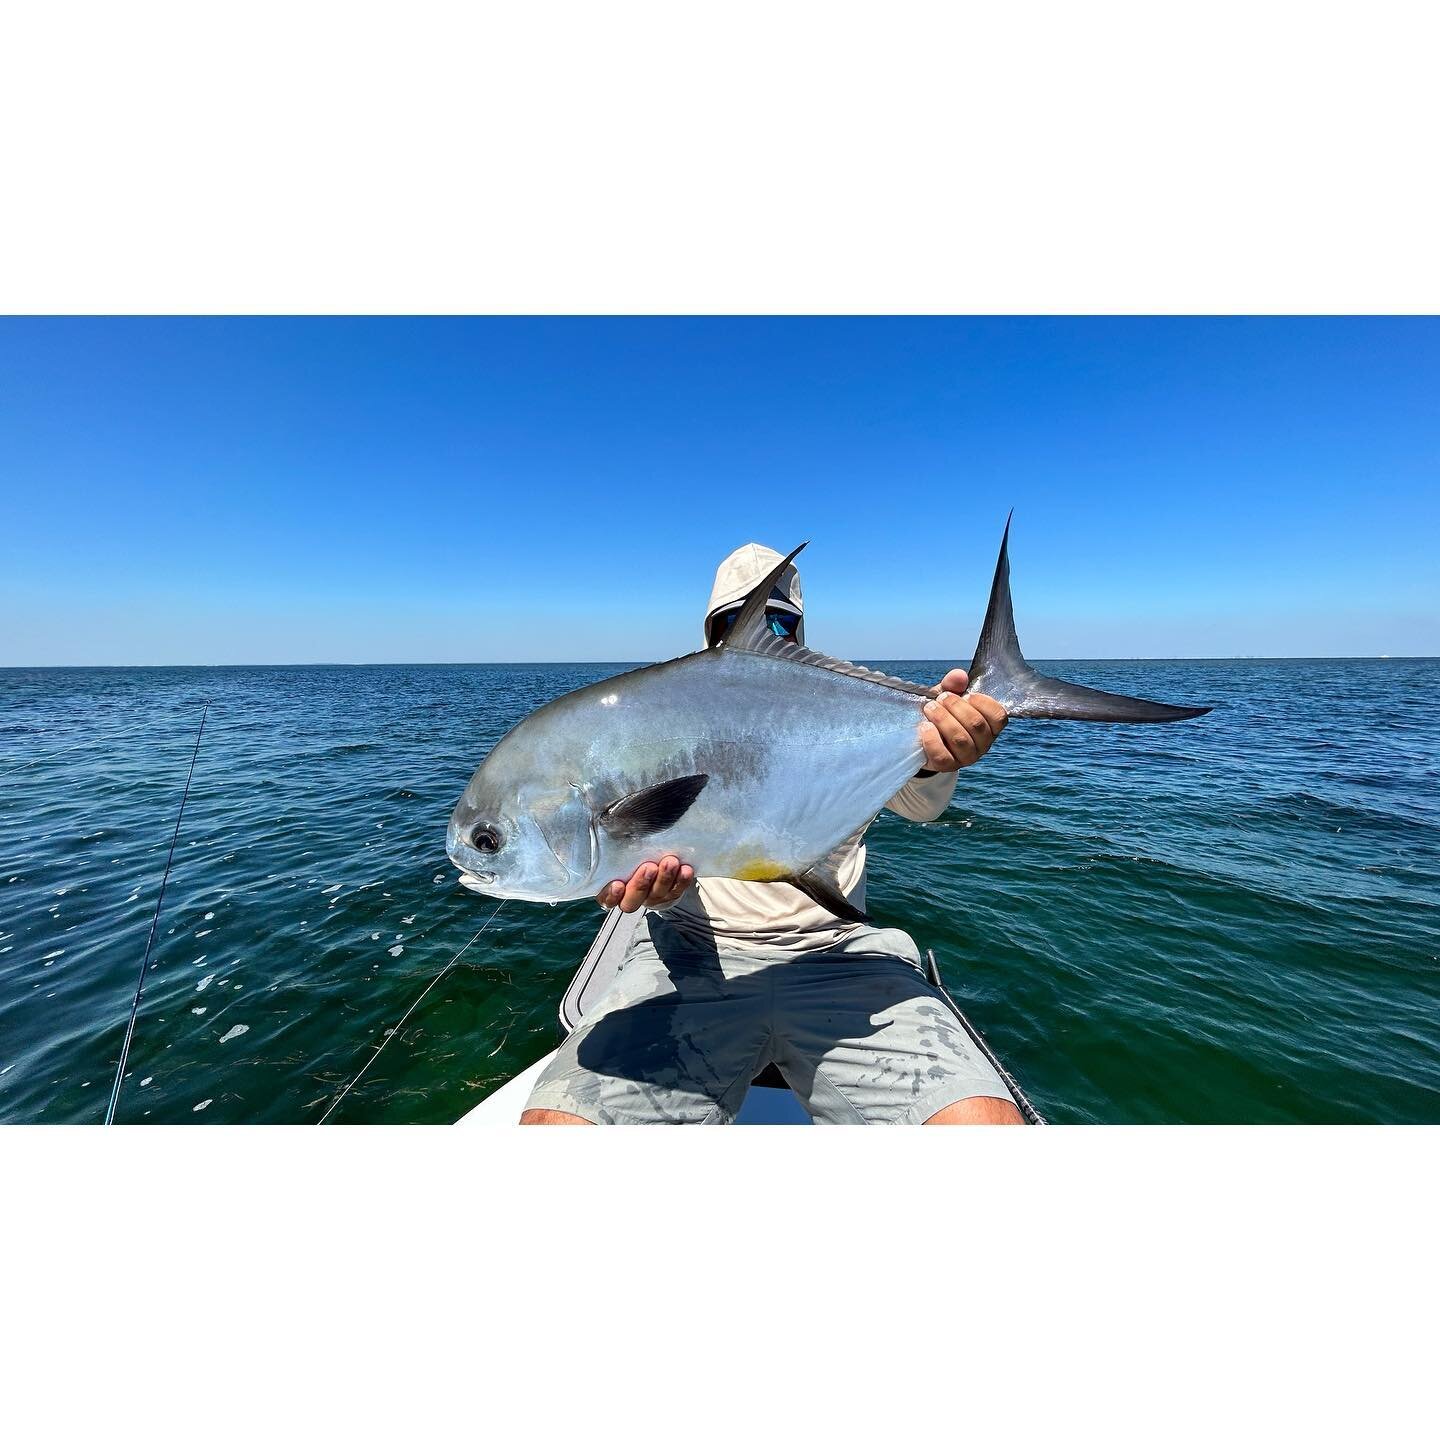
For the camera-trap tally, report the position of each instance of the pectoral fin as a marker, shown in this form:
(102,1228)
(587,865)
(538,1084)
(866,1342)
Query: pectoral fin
(655,808)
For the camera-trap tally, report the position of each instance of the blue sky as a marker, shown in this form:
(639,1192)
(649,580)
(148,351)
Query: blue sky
(233,491)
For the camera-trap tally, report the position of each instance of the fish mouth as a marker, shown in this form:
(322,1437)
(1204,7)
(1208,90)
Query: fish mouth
(473,874)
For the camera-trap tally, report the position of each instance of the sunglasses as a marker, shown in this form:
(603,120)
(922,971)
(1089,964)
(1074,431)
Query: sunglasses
(781,623)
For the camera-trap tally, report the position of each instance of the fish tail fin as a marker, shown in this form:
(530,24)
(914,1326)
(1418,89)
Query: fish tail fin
(1002,672)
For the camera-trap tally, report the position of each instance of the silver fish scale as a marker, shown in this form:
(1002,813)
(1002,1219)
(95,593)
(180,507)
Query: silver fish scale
(799,756)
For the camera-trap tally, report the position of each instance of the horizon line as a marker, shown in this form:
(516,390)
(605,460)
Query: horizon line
(456,664)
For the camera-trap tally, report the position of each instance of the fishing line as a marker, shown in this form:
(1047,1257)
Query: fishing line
(154,923)
(449,965)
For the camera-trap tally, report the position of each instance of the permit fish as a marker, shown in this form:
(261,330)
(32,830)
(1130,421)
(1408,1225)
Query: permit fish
(754,759)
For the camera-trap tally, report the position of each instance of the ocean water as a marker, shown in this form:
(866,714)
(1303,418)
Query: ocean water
(1235,919)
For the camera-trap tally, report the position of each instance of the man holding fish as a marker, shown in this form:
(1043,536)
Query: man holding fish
(788,926)
(727,793)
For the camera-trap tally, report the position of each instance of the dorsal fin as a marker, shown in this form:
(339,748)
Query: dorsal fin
(779,648)
(751,634)
(750,623)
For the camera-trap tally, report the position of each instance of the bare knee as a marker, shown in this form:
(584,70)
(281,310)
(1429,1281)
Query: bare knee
(552,1117)
(978,1110)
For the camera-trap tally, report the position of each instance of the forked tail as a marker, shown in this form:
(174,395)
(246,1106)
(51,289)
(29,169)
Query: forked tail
(1000,671)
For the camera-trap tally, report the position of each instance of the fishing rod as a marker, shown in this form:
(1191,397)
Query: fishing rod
(154,924)
(390,1034)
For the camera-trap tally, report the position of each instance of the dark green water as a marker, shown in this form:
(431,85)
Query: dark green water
(1236,919)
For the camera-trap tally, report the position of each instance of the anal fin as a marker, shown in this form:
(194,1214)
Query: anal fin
(820,886)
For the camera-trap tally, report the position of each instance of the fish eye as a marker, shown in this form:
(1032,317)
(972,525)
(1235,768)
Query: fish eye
(485,838)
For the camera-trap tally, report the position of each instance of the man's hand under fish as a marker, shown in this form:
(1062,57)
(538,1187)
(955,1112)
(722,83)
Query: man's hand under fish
(956,732)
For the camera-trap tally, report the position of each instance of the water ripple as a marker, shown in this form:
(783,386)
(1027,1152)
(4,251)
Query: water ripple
(1234,920)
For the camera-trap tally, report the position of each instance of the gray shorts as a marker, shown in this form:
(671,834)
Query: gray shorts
(857,1030)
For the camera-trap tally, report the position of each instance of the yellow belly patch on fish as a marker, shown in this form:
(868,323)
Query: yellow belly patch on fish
(761,870)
